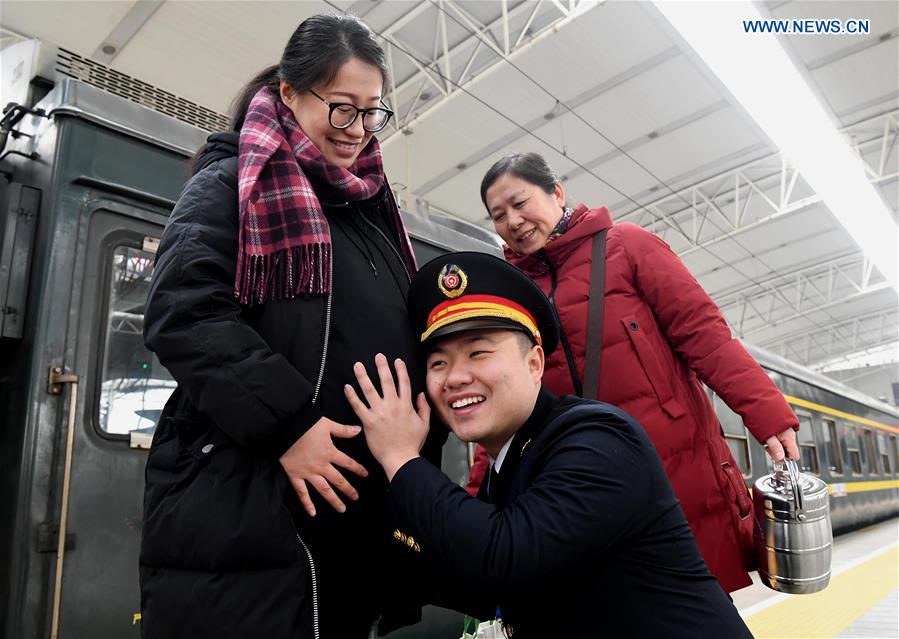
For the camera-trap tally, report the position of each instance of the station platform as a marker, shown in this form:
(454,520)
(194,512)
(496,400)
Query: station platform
(861,601)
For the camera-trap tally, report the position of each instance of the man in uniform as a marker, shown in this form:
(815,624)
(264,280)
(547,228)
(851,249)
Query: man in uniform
(577,533)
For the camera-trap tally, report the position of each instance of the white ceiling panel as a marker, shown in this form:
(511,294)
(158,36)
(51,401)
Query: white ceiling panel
(238,40)
(431,150)
(593,49)
(868,77)
(622,176)
(665,94)
(882,16)
(574,137)
(695,143)
(79,26)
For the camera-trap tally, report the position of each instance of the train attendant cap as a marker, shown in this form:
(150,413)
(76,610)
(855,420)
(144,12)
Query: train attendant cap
(468,290)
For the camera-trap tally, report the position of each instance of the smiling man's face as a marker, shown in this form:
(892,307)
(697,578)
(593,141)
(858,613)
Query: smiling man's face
(483,384)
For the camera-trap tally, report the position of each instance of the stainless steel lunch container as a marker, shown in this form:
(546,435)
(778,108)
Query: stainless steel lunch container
(793,536)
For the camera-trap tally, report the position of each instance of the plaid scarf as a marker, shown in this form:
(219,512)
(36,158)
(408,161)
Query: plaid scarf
(284,246)
(562,226)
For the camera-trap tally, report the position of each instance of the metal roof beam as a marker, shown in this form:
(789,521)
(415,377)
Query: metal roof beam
(741,187)
(848,269)
(407,17)
(479,34)
(431,66)
(860,327)
(826,356)
(125,30)
(814,307)
(783,277)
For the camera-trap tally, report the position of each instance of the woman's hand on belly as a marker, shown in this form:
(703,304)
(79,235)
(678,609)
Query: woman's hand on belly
(315,460)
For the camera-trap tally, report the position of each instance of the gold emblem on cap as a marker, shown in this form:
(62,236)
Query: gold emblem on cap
(452,281)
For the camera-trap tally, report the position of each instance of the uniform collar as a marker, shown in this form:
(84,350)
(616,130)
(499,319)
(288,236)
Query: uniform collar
(498,462)
(510,455)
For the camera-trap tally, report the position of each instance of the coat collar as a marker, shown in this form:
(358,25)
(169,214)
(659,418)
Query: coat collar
(521,441)
(585,223)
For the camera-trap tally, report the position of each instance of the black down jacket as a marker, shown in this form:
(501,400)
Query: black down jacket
(226,550)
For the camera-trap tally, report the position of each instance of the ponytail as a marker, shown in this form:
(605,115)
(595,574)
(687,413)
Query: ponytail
(268,77)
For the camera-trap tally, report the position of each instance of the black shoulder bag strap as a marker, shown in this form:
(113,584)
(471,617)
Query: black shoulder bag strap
(594,316)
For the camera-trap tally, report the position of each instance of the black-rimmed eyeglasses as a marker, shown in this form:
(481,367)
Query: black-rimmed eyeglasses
(341,115)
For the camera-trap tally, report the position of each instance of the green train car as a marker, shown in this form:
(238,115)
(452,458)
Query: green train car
(88,177)
(88,181)
(846,438)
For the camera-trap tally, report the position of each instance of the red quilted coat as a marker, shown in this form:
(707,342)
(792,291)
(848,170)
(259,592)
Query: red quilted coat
(662,335)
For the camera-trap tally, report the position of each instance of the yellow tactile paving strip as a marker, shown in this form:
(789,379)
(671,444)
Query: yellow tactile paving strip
(825,614)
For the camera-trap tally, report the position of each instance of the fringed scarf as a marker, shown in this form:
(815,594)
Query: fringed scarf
(284,246)
(561,226)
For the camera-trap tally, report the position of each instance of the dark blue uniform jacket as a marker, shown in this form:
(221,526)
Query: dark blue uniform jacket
(584,537)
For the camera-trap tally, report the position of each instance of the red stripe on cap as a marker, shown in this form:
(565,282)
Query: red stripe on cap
(447,307)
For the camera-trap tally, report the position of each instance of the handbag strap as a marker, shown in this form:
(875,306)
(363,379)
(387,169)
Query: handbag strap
(594,316)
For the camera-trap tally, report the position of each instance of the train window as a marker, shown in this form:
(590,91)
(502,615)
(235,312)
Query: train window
(884,453)
(832,446)
(808,452)
(860,433)
(870,452)
(853,452)
(734,435)
(895,454)
(134,386)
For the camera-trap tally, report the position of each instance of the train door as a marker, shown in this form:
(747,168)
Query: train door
(121,390)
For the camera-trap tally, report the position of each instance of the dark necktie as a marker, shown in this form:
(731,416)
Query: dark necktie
(492,484)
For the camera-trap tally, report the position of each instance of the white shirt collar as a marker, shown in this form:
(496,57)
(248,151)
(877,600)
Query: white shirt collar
(498,462)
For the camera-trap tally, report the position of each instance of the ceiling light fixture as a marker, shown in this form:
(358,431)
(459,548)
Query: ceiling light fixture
(759,73)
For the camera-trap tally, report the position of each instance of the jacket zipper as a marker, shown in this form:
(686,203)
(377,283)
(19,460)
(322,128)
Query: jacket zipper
(318,385)
(569,356)
(314,588)
(321,370)
(390,244)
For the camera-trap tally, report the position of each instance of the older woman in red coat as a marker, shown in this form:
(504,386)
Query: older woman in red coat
(662,336)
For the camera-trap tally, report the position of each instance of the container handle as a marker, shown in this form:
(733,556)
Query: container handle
(793,471)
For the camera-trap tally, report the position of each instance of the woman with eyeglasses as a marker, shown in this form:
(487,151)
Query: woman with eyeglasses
(284,262)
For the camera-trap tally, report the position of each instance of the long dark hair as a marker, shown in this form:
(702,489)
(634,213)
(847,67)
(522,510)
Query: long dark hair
(313,56)
(530,167)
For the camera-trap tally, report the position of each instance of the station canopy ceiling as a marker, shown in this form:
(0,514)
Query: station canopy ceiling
(615,99)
